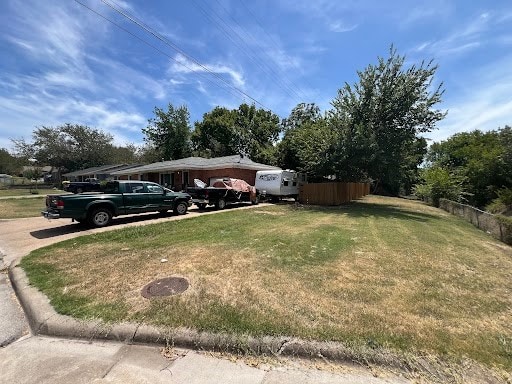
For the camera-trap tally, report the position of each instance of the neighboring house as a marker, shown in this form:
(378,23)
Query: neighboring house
(177,174)
(101,173)
(45,171)
(5,179)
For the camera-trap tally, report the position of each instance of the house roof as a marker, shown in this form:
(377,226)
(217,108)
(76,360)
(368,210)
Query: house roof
(46,168)
(195,163)
(103,169)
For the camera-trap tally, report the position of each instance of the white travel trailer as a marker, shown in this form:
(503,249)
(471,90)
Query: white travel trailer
(276,184)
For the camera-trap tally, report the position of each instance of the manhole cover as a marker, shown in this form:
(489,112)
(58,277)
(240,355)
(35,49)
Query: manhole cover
(165,287)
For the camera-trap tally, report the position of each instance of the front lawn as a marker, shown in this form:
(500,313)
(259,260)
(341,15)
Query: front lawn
(19,208)
(379,272)
(13,192)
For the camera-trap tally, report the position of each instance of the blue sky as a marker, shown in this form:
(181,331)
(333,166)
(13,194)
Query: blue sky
(62,63)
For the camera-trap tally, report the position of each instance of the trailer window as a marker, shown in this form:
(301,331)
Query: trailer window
(285,183)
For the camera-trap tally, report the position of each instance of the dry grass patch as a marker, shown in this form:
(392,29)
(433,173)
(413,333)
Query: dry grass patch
(381,272)
(20,208)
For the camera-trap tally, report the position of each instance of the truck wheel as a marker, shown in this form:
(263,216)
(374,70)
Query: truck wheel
(201,205)
(100,217)
(79,190)
(220,204)
(181,208)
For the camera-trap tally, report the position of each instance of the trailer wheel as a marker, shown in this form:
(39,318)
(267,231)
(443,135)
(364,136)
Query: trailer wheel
(255,201)
(181,208)
(100,217)
(220,204)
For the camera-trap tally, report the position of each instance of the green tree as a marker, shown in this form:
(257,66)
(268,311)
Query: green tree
(301,114)
(379,119)
(214,136)
(33,173)
(69,146)
(247,131)
(484,158)
(307,142)
(257,131)
(8,163)
(128,154)
(437,183)
(169,132)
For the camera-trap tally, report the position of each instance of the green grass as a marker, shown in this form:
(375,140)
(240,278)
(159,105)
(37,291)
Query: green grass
(381,272)
(15,192)
(19,208)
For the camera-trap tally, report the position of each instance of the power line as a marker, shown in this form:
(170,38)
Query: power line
(151,45)
(262,65)
(149,30)
(266,33)
(247,33)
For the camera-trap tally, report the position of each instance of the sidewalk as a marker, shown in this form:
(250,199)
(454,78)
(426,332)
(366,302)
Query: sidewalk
(47,360)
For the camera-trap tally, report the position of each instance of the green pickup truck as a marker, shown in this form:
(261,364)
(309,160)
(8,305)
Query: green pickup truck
(118,198)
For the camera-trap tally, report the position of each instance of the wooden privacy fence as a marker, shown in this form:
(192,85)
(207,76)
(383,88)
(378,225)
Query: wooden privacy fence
(332,193)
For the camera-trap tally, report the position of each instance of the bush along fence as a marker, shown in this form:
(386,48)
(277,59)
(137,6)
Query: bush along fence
(332,193)
(499,226)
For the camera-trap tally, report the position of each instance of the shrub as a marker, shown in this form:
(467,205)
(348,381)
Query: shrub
(439,183)
(502,203)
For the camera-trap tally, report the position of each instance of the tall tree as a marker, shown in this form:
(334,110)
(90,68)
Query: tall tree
(306,141)
(378,120)
(127,154)
(8,163)
(257,131)
(70,146)
(301,114)
(169,132)
(247,131)
(214,136)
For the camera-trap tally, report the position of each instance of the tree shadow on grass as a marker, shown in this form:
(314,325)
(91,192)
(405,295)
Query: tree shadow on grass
(144,218)
(359,209)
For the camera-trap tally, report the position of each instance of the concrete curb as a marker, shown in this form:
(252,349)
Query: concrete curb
(44,320)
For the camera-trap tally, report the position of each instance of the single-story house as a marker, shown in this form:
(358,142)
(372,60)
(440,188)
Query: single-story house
(5,179)
(101,173)
(177,174)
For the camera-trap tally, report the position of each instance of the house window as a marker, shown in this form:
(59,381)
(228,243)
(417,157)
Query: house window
(165,180)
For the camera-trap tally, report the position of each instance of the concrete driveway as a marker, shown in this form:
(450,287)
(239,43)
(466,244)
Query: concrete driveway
(21,236)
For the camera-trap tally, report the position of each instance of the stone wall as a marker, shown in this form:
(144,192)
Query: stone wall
(500,227)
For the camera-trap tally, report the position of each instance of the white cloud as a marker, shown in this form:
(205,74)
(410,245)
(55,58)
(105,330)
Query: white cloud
(484,103)
(424,13)
(464,37)
(182,64)
(340,26)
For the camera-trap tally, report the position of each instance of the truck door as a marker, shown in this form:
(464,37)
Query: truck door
(135,199)
(156,200)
